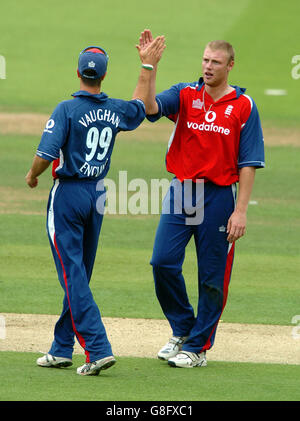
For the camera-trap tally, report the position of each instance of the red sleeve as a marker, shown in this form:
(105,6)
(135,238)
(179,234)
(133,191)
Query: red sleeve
(54,166)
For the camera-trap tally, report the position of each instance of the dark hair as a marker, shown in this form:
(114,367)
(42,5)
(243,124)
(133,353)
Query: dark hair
(90,82)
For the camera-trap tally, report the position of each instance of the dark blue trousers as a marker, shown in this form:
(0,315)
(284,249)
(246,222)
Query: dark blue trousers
(214,205)
(73,226)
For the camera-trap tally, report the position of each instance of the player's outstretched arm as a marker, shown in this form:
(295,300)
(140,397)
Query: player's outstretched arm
(39,165)
(150,52)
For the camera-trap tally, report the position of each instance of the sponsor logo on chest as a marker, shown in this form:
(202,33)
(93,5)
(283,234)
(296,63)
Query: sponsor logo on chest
(208,125)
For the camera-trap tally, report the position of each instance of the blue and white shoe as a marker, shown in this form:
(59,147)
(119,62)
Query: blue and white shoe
(185,359)
(94,368)
(172,347)
(49,360)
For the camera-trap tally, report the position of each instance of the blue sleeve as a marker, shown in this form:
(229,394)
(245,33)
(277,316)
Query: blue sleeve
(54,135)
(168,102)
(133,115)
(251,149)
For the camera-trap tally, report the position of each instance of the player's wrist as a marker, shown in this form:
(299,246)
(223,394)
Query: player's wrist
(242,208)
(147,66)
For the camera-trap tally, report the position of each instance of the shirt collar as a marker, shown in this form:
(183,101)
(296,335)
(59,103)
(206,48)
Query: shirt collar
(98,97)
(239,91)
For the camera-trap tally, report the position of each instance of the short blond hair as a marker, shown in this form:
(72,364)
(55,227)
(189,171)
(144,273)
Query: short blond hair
(222,45)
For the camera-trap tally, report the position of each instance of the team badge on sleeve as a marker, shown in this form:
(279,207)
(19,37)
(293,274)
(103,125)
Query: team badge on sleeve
(49,125)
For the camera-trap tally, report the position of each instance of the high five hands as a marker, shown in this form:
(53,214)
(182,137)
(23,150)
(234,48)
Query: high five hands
(150,50)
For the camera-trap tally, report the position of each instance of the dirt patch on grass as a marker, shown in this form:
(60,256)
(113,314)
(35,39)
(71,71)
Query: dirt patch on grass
(143,338)
(22,123)
(282,136)
(21,201)
(33,124)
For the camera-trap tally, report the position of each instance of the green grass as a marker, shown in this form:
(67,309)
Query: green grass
(41,44)
(266,64)
(142,379)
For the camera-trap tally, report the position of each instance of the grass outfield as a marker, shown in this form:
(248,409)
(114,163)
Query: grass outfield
(142,379)
(41,42)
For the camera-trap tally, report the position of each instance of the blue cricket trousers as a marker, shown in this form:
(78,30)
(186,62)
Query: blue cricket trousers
(214,257)
(73,226)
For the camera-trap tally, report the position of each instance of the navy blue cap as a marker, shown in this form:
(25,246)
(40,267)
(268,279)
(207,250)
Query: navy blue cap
(92,62)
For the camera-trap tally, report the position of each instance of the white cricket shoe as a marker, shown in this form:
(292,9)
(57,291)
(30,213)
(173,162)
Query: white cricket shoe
(187,359)
(172,347)
(49,360)
(94,368)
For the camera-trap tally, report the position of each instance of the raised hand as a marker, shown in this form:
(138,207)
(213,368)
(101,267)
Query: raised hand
(150,50)
(145,39)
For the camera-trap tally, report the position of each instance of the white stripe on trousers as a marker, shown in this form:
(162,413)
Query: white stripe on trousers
(51,226)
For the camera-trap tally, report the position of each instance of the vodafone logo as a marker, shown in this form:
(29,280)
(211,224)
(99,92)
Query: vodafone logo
(210,116)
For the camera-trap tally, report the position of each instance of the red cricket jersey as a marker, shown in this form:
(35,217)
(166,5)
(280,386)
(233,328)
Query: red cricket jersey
(211,140)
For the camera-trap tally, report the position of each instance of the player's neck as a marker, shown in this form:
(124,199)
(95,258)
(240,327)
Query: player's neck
(217,92)
(94,90)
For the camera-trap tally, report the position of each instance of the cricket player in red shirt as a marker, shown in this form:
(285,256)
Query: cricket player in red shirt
(217,142)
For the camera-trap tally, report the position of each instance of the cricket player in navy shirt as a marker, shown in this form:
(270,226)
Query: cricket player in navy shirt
(79,139)
(216,143)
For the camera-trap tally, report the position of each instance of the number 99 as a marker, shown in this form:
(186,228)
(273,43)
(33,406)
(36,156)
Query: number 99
(93,139)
